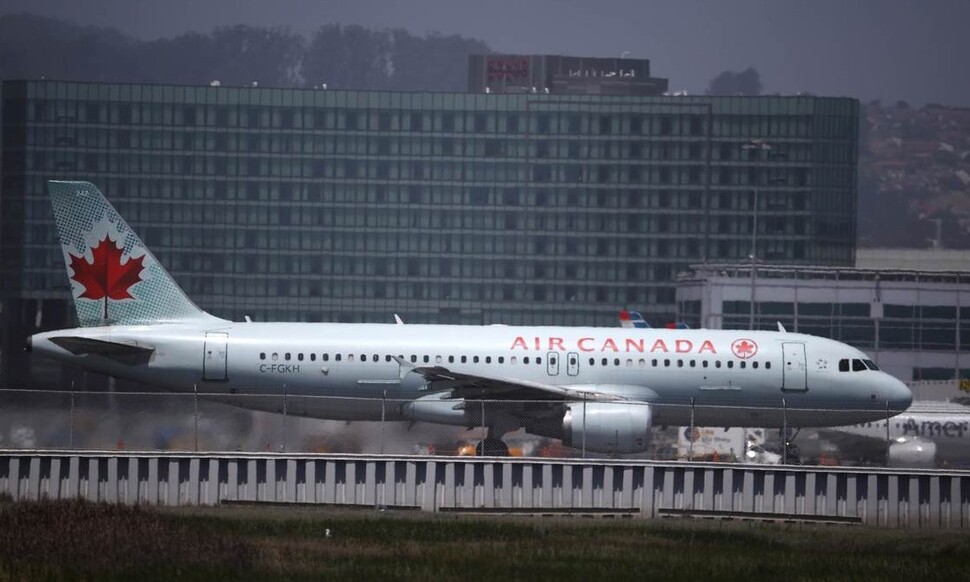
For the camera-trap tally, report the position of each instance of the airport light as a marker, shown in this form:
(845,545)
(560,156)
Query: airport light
(755,145)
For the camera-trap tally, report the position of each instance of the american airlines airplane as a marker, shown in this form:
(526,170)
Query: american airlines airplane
(602,387)
(928,434)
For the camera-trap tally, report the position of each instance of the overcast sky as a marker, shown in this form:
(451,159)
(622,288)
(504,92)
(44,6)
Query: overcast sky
(890,49)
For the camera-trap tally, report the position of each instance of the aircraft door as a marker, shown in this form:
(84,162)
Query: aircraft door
(794,367)
(214,361)
(552,363)
(572,364)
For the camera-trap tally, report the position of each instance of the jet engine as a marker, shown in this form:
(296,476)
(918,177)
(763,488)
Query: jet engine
(912,453)
(609,428)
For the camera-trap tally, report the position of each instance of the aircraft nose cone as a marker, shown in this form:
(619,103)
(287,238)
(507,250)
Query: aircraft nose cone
(898,394)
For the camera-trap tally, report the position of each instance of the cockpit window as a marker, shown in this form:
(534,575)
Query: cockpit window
(858,366)
(843,365)
(871,365)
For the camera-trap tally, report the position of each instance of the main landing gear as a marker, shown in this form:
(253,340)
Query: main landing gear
(492,447)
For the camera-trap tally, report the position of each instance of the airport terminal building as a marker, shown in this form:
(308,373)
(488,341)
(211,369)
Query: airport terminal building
(914,323)
(314,205)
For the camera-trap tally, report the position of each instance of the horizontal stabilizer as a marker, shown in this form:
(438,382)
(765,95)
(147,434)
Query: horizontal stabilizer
(126,353)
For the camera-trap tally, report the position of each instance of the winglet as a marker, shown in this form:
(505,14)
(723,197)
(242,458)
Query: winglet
(398,320)
(781,328)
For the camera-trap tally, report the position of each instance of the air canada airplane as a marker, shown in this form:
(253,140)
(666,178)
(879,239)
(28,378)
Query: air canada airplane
(604,387)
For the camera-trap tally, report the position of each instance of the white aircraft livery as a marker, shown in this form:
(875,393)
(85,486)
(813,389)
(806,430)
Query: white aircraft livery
(928,434)
(604,387)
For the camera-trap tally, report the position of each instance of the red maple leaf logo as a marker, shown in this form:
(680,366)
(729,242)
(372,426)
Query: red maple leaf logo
(106,276)
(744,348)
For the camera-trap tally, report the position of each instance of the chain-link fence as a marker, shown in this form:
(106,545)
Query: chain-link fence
(928,436)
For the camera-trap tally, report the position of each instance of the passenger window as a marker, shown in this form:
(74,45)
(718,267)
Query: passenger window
(525,360)
(313,357)
(592,361)
(754,365)
(767,365)
(262,355)
(538,360)
(337,357)
(858,366)
(512,360)
(414,359)
(704,363)
(743,364)
(275,356)
(643,363)
(427,359)
(605,361)
(730,363)
(451,359)
(300,356)
(501,359)
(680,363)
(653,362)
(693,363)
(475,359)
(488,359)
(376,358)
(666,363)
(464,359)
(572,361)
(616,361)
(286,356)
(717,363)
(843,365)
(325,357)
(350,357)
(552,361)
(437,359)
(388,358)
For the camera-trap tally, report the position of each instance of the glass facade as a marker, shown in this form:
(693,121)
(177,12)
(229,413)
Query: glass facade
(916,322)
(310,205)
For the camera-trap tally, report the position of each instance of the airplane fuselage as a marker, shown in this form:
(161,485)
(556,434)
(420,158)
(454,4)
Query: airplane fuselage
(719,377)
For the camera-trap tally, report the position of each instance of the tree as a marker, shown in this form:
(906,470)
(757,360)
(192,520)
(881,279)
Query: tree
(747,82)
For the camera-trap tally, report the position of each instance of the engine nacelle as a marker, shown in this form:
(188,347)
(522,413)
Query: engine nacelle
(912,453)
(609,428)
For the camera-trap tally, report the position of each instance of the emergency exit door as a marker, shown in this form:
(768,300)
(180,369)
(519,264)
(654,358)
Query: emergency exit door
(794,368)
(552,363)
(215,362)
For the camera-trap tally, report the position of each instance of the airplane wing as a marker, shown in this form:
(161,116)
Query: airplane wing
(125,353)
(472,386)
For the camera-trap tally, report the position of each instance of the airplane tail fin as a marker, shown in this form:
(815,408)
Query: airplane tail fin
(633,319)
(115,279)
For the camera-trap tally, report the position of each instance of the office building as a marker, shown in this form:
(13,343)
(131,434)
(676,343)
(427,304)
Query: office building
(309,205)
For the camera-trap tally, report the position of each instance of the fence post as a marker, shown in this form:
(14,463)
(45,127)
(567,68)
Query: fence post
(784,432)
(483,422)
(584,425)
(690,439)
(195,389)
(284,443)
(71,442)
(383,417)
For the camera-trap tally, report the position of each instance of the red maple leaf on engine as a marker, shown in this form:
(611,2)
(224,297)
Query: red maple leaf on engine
(106,276)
